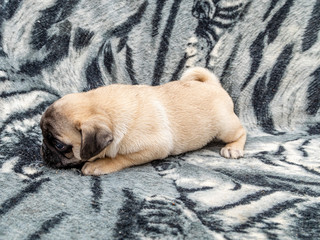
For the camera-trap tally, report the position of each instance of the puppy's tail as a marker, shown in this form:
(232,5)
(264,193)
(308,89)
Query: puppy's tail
(200,74)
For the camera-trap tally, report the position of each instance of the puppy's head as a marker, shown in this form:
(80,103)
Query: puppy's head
(73,132)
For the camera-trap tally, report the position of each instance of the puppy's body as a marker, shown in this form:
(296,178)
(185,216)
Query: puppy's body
(139,124)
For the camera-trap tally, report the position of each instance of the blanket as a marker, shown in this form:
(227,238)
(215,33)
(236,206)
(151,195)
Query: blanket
(267,56)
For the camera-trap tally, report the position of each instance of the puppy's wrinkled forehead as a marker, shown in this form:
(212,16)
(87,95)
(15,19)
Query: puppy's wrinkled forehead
(54,121)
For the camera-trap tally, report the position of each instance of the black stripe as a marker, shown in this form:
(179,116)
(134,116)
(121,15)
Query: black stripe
(203,30)
(271,212)
(203,10)
(226,69)
(48,225)
(263,157)
(302,149)
(122,43)
(279,68)
(97,193)
(229,9)
(163,213)
(275,23)
(181,65)
(270,33)
(93,75)
(10,8)
(213,34)
(33,89)
(125,28)
(2,13)
(213,224)
(266,181)
(165,206)
(164,44)
(281,151)
(164,165)
(244,11)
(2,53)
(32,176)
(126,225)
(132,21)
(293,180)
(157,17)
(237,186)
(174,228)
(57,46)
(264,92)
(58,49)
(314,129)
(109,62)
(221,24)
(261,105)
(193,190)
(201,215)
(29,156)
(32,68)
(306,225)
(311,34)
(157,202)
(129,66)
(108,59)
(313,94)
(245,201)
(312,171)
(184,198)
(26,114)
(228,15)
(256,53)
(50,16)
(15,200)
(82,38)
(271,7)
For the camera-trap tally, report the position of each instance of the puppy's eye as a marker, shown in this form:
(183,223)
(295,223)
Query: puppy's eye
(59,145)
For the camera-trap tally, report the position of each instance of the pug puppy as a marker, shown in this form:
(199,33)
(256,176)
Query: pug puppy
(117,126)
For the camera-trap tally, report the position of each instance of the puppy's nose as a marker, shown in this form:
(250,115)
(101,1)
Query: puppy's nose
(48,156)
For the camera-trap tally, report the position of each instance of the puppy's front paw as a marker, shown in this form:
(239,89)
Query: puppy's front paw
(229,152)
(91,168)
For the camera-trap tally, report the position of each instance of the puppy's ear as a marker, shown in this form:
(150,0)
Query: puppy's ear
(95,136)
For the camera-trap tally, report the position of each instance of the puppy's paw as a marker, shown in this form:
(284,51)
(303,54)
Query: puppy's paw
(91,168)
(229,152)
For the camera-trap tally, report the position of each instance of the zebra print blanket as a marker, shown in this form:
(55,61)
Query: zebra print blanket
(267,55)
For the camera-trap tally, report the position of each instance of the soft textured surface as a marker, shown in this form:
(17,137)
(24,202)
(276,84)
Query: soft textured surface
(267,54)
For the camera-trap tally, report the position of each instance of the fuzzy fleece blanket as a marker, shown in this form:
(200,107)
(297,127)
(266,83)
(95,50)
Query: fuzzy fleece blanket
(267,55)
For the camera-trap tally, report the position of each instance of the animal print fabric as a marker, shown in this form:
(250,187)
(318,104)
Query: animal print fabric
(267,55)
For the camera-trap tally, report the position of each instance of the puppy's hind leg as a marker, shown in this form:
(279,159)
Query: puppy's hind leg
(235,136)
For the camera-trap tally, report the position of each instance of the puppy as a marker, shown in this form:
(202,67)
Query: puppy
(118,126)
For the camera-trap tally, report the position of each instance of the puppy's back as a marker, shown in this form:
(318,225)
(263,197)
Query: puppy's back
(200,74)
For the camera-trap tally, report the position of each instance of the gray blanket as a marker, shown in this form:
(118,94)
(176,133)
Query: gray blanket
(267,55)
